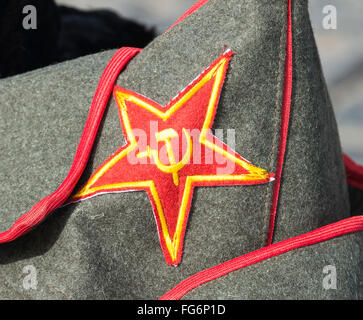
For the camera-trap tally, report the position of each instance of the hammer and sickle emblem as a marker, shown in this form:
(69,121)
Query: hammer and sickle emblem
(174,167)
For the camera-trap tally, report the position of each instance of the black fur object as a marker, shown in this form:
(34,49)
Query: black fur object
(62,33)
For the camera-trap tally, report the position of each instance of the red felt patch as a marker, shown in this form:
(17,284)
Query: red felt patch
(169,151)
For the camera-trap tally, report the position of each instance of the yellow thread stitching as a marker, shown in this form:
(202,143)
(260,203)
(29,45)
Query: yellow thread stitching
(255,172)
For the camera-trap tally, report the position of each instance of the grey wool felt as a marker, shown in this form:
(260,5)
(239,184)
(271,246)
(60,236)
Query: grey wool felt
(107,247)
(325,271)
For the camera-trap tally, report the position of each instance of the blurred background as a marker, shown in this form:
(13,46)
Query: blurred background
(341,52)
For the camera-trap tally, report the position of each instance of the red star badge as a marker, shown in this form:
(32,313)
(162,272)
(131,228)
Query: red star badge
(169,151)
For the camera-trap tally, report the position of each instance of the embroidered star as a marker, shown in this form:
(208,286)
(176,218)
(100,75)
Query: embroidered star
(169,151)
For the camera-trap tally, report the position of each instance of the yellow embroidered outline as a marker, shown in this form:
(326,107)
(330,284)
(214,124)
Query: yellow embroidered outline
(255,174)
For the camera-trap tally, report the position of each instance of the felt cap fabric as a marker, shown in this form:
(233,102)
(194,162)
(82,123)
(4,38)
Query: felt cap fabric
(108,247)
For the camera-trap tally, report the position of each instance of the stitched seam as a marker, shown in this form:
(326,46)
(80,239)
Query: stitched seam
(274,141)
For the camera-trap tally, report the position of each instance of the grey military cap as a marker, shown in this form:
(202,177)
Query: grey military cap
(284,232)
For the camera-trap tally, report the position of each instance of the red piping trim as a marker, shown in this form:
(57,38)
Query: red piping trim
(285,119)
(354,172)
(334,230)
(104,89)
(191,10)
